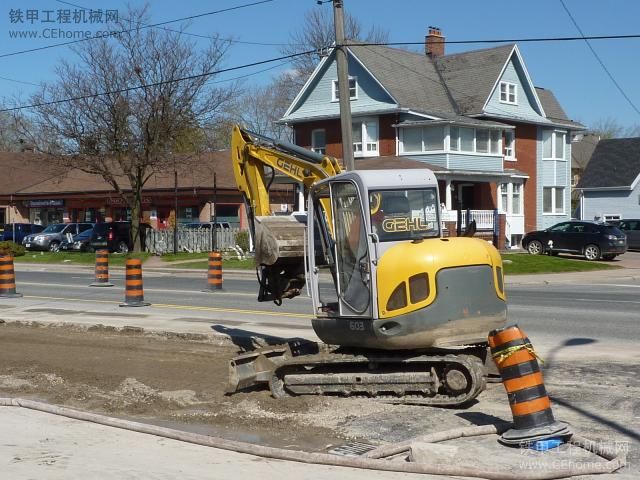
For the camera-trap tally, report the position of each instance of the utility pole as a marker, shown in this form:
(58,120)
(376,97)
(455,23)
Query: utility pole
(214,241)
(175,199)
(343,85)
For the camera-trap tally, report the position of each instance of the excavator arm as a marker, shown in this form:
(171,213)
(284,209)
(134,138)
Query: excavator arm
(278,240)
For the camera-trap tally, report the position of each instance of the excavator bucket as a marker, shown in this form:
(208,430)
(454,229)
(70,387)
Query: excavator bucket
(278,238)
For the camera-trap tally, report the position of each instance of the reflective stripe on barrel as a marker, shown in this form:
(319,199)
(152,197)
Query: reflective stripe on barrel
(134,293)
(214,276)
(102,266)
(7,277)
(521,377)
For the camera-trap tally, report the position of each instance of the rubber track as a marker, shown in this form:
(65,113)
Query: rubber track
(470,363)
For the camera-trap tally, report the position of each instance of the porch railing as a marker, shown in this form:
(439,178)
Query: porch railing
(484,218)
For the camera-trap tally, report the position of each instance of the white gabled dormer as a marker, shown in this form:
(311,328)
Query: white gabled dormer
(513,94)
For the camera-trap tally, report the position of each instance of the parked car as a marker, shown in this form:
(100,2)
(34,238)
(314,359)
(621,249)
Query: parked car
(206,225)
(79,243)
(20,230)
(631,228)
(115,236)
(51,237)
(593,240)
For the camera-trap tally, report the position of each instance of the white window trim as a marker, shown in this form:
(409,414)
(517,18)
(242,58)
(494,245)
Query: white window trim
(509,207)
(553,213)
(553,146)
(507,85)
(334,89)
(512,157)
(363,122)
(314,147)
(475,152)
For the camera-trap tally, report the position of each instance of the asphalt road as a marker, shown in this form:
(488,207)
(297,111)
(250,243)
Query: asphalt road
(601,311)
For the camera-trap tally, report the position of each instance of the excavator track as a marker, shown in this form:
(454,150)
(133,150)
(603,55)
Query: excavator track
(446,380)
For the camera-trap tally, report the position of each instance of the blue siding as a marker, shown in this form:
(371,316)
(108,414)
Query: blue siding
(438,159)
(526,107)
(616,202)
(475,162)
(316,102)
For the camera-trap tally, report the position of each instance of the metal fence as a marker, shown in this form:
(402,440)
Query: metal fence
(160,242)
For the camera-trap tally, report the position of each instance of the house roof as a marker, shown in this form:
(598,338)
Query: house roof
(392,162)
(21,170)
(614,163)
(452,87)
(471,76)
(582,150)
(419,87)
(36,178)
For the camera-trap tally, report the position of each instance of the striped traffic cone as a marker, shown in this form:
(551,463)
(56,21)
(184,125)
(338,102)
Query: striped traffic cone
(214,276)
(517,362)
(102,269)
(7,278)
(133,293)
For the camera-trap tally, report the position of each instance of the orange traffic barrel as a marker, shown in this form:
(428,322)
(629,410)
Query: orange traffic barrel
(214,276)
(7,278)
(102,269)
(133,293)
(518,364)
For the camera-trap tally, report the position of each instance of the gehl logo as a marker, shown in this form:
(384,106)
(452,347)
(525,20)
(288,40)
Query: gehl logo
(404,224)
(294,170)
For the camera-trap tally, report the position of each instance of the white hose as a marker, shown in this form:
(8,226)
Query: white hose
(615,460)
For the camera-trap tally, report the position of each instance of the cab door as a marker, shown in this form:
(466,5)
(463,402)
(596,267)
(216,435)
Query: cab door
(339,268)
(351,250)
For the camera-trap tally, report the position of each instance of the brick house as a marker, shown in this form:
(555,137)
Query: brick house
(493,139)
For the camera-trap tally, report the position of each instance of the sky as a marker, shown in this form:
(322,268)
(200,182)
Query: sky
(569,69)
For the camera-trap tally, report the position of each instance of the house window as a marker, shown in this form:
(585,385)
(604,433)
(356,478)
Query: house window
(319,141)
(467,139)
(365,137)
(508,93)
(553,144)
(509,144)
(516,198)
(454,139)
(426,139)
(553,200)
(504,197)
(433,138)
(353,89)
(474,140)
(510,198)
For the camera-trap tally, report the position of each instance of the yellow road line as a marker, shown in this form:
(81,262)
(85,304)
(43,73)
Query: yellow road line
(185,307)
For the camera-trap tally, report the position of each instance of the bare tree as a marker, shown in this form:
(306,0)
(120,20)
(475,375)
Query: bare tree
(612,128)
(262,106)
(129,103)
(317,33)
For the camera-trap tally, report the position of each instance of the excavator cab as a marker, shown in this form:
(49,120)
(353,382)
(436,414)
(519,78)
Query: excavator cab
(367,216)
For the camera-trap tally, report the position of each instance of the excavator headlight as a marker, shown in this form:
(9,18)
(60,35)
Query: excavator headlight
(398,298)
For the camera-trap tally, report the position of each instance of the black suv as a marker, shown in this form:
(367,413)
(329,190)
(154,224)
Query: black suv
(115,236)
(593,240)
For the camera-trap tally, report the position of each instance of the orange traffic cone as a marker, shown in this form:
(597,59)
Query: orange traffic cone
(517,362)
(7,278)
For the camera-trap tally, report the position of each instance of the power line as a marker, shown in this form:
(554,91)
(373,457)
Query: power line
(19,81)
(595,54)
(154,84)
(208,37)
(501,40)
(191,17)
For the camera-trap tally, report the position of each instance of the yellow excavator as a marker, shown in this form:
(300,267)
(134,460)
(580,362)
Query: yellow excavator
(403,311)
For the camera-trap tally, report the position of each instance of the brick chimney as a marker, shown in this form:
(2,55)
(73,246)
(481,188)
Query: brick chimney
(434,43)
